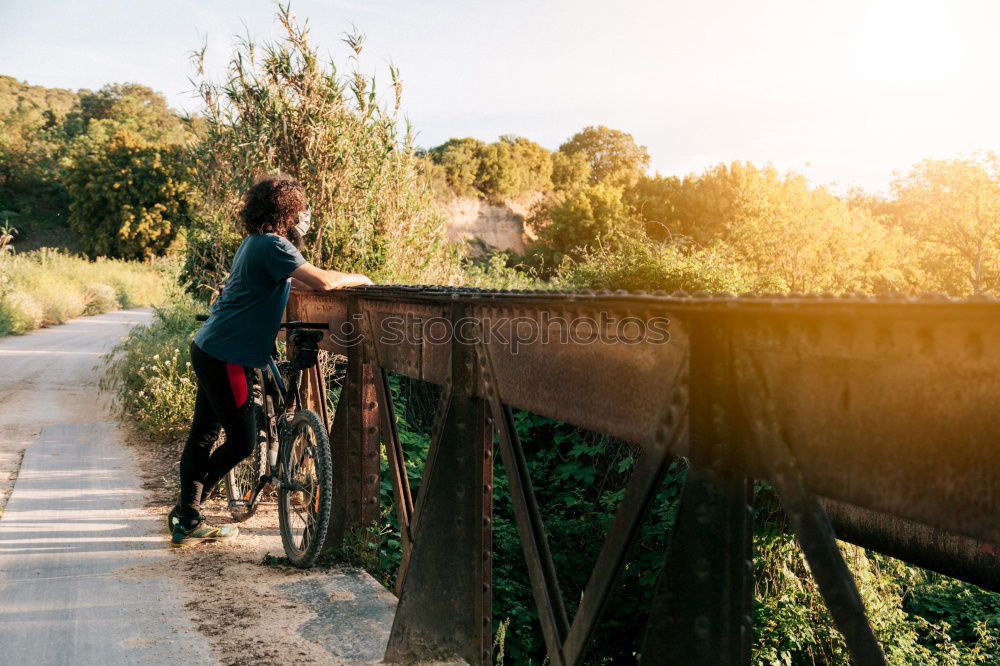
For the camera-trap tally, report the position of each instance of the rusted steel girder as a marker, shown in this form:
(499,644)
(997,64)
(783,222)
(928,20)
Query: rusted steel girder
(882,410)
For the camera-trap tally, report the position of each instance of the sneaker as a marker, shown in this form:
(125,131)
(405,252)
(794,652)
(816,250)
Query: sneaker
(183,536)
(172,519)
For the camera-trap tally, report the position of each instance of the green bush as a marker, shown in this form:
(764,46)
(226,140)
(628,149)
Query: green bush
(645,266)
(574,223)
(130,197)
(149,373)
(20,313)
(61,301)
(99,298)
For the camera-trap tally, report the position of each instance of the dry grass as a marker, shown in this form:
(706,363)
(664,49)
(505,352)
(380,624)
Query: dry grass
(45,287)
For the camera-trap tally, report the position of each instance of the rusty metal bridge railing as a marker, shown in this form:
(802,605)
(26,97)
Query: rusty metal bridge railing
(875,420)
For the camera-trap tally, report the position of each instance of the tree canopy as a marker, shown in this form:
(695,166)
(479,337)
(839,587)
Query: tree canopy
(611,154)
(952,208)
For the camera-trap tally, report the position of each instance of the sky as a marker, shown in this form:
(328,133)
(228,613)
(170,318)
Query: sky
(846,92)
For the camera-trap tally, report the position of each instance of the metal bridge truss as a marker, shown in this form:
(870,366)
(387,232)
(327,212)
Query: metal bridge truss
(875,421)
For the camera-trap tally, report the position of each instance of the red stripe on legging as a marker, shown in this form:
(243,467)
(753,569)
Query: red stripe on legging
(238,383)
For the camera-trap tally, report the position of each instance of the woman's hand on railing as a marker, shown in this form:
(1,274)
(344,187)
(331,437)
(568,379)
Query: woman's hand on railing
(311,277)
(356,280)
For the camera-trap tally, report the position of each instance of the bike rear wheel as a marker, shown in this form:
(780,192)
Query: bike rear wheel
(305,497)
(243,481)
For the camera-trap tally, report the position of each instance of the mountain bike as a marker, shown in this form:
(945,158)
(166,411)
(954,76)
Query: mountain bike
(292,455)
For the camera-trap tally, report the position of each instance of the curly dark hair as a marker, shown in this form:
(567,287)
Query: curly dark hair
(272,205)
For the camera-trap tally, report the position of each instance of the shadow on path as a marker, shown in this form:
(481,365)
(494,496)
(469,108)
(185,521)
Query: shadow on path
(75,518)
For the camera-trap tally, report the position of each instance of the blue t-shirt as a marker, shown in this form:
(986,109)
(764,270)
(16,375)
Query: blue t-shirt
(245,318)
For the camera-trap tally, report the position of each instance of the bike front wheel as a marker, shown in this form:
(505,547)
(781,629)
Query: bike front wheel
(305,496)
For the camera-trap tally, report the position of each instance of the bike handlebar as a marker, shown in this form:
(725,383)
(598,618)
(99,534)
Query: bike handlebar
(288,325)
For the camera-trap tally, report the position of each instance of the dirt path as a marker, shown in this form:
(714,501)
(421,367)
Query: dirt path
(256,610)
(48,377)
(86,574)
(74,518)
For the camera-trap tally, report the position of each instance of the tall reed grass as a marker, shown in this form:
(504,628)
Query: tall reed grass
(282,106)
(46,287)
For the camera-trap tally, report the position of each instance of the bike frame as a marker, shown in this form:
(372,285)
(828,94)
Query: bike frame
(287,397)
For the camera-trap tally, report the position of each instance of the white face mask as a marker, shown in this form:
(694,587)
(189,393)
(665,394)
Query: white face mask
(305,219)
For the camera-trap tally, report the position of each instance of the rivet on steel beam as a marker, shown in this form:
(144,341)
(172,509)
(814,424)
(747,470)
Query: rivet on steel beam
(974,345)
(701,568)
(701,627)
(883,339)
(663,432)
(925,340)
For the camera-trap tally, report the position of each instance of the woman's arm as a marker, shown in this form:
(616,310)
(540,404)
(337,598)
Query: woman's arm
(312,278)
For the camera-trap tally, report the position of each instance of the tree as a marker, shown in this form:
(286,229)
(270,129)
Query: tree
(569,171)
(460,159)
(532,162)
(31,144)
(130,197)
(952,207)
(498,175)
(792,236)
(506,168)
(612,154)
(130,106)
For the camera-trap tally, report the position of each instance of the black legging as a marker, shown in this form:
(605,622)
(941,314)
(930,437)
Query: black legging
(224,401)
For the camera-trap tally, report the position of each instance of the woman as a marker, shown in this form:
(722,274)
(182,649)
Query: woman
(237,338)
